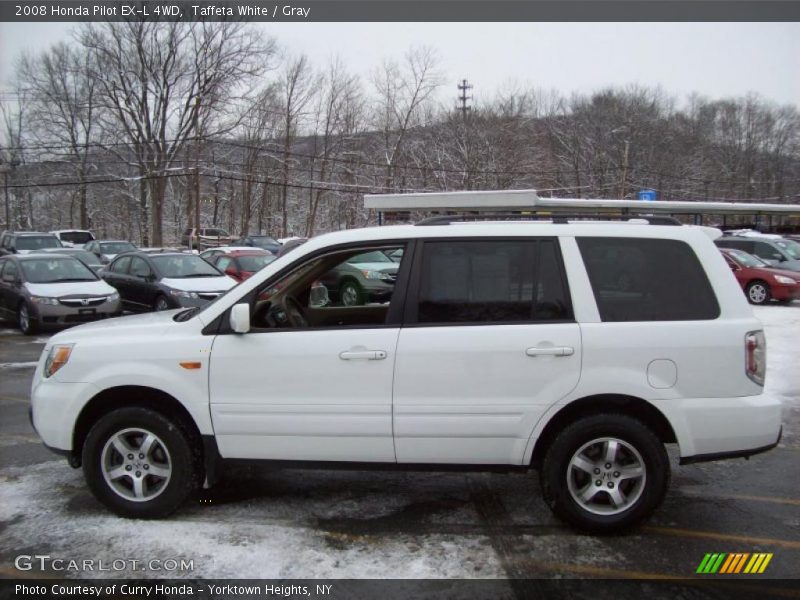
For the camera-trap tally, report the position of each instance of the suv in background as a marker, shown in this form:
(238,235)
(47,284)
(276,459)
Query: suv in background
(208,237)
(73,238)
(264,242)
(22,242)
(773,250)
(501,345)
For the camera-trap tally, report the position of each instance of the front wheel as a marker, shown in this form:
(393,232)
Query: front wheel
(758,292)
(140,464)
(605,473)
(27,324)
(161,303)
(350,294)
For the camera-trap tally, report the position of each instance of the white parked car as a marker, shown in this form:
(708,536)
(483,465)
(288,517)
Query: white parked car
(508,344)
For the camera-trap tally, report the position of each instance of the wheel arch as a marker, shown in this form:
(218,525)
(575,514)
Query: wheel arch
(602,403)
(127,396)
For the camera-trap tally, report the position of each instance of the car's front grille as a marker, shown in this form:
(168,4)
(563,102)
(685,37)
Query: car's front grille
(208,295)
(85,318)
(83,302)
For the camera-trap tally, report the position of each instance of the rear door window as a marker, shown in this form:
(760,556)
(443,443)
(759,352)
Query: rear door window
(647,280)
(492,281)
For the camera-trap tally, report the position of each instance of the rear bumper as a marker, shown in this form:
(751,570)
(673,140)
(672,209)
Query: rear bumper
(718,428)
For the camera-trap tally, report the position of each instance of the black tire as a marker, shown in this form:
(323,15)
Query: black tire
(350,293)
(27,324)
(645,494)
(175,447)
(758,292)
(161,303)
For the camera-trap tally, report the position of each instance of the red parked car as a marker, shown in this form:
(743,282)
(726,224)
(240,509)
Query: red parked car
(241,264)
(760,282)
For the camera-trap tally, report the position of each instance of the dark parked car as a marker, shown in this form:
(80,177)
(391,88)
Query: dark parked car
(291,245)
(775,251)
(258,241)
(88,258)
(45,290)
(21,242)
(761,282)
(106,250)
(165,280)
(362,279)
(241,264)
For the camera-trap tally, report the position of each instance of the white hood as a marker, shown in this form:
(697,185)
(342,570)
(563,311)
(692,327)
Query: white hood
(200,284)
(147,324)
(56,290)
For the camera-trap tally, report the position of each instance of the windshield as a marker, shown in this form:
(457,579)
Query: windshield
(790,247)
(263,241)
(76,237)
(86,257)
(53,270)
(116,247)
(376,256)
(37,242)
(215,233)
(184,266)
(254,263)
(747,260)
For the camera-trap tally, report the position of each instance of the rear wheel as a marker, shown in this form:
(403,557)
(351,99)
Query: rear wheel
(758,292)
(605,473)
(140,464)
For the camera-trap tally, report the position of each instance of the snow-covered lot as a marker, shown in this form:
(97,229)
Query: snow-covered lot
(262,522)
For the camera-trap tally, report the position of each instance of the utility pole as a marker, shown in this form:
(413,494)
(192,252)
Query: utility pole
(624,171)
(463,87)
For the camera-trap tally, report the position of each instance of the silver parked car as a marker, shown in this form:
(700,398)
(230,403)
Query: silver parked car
(46,290)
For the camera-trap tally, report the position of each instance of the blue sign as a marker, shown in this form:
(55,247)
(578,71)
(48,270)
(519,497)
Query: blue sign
(647,195)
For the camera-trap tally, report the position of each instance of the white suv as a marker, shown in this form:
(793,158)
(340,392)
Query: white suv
(575,348)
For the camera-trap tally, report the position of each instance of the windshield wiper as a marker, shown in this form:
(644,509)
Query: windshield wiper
(65,280)
(198,275)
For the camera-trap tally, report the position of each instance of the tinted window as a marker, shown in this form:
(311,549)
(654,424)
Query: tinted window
(647,280)
(116,247)
(223,262)
(9,272)
(185,265)
(254,263)
(139,268)
(76,237)
(121,265)
(37,242)
(491,282)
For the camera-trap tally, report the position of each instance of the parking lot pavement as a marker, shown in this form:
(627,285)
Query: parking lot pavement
(317,523)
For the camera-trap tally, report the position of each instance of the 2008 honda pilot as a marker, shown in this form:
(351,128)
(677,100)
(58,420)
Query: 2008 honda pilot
(519,344)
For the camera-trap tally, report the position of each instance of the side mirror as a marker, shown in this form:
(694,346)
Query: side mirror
(240,318)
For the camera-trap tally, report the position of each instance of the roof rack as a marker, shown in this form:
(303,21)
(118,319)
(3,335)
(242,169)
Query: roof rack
(555,218)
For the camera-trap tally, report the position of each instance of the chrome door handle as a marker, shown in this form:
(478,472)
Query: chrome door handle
(551,351)
(363,355)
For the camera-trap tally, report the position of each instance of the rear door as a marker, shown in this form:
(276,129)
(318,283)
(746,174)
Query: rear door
(489,342)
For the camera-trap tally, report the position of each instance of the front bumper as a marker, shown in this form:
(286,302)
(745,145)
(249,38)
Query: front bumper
(716,428)
(57,315)
(55,407)
(786,292)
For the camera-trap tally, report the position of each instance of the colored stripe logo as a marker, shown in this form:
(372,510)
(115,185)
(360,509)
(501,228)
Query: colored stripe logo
(734,563)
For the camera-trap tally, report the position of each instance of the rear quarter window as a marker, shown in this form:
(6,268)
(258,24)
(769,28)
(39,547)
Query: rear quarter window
(647,280)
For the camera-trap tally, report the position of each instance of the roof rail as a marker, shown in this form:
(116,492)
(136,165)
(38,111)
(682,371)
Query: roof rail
(556,218)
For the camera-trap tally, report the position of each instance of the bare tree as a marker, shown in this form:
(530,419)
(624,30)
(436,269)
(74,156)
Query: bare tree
(159,80)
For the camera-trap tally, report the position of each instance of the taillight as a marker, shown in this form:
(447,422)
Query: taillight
(755,349)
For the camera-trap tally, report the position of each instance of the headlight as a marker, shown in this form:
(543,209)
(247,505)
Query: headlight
(182,294)
(376,275)
(58,357)
(785,280)
(114,296)
(44,300)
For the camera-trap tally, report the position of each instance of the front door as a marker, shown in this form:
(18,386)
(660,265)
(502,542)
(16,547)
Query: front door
(312,380)
(489,343)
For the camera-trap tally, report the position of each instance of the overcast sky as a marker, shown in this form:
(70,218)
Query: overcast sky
(714,59)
